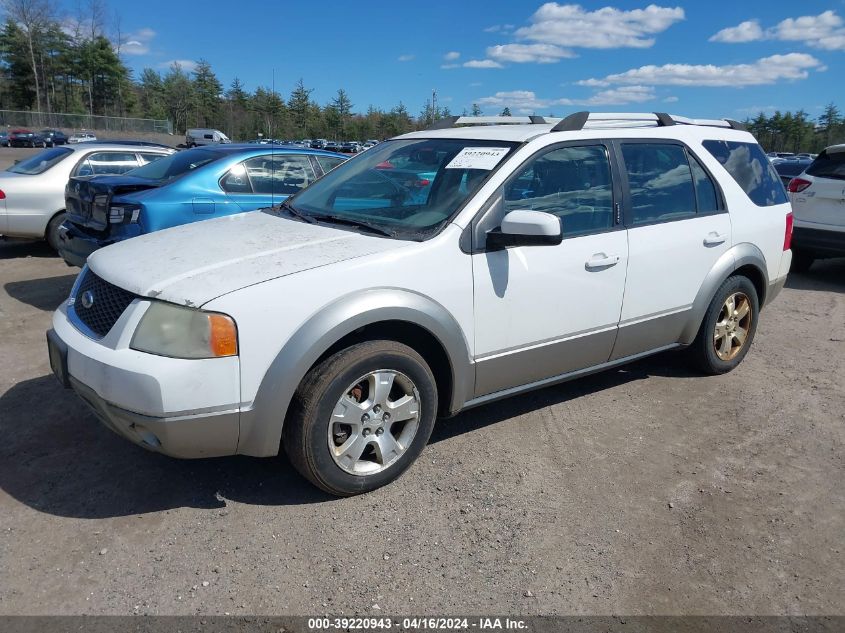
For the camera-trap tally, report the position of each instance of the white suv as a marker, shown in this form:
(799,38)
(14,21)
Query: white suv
(818,201)
(437,271)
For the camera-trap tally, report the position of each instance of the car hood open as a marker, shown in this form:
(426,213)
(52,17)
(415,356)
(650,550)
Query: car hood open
(195,263)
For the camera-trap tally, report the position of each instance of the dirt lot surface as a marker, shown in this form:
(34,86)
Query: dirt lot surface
(645,490)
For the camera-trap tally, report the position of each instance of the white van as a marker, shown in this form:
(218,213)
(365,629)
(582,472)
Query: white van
(204,136)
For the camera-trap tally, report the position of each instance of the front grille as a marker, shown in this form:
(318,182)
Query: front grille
(100,309)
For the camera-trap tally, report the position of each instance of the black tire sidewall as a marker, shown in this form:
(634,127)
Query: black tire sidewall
(337,377)
(708,359)
(52,233)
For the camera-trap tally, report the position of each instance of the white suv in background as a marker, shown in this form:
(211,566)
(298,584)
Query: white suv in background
(818,202)
(437,271)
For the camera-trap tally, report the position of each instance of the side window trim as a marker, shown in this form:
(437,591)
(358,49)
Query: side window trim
(627,210)
(478,228)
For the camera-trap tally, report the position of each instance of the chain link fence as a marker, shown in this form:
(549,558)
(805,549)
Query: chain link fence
(38,120)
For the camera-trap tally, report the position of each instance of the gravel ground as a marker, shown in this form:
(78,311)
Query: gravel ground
(644,490)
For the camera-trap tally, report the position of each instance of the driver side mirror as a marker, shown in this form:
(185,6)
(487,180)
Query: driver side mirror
(526,228)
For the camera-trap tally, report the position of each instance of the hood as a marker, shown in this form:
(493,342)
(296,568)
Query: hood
(195,263)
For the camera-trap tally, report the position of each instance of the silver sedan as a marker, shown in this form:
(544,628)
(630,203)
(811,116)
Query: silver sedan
(32,191)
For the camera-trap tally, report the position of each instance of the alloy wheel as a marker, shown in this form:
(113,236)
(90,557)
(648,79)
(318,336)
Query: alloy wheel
(732,326)
(374,422)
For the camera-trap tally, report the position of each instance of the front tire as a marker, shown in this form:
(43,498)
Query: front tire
(52,232)
(728,327)
(361,417)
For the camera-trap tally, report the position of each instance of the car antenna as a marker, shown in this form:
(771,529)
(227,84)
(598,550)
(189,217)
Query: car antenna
(272,152)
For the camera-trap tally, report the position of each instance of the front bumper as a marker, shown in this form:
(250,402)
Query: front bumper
(182,408)
(75,246)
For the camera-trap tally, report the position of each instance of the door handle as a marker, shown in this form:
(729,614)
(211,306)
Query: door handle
(714,239)
(600,260)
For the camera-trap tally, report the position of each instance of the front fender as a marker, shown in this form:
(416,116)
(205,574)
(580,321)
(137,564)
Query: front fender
(261,425)
(736,257)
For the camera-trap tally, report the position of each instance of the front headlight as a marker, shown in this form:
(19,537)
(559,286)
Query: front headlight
(167,329)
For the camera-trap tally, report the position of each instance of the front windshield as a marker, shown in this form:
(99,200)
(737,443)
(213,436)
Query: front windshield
(406,188)
(40,162)
(175,165)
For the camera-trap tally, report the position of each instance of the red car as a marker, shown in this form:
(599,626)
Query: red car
(26,138)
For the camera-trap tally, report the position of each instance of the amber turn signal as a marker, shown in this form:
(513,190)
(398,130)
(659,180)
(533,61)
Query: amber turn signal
(223,335)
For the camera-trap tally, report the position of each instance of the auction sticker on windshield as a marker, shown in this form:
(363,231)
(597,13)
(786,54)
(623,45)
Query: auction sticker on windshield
(478,158)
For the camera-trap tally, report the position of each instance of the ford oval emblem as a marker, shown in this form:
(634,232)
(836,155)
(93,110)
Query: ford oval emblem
(87,299)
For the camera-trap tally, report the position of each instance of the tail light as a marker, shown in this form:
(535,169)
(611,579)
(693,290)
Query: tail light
(2,195)
(797,185)
(787,234)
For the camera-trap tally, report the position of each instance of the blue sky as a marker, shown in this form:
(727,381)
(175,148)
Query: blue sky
(697,58)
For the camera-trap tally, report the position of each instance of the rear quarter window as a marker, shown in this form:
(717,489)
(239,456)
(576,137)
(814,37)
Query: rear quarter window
(751,169)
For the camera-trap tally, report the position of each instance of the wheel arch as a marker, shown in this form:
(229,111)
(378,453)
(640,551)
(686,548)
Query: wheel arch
(388,313)
(745,259)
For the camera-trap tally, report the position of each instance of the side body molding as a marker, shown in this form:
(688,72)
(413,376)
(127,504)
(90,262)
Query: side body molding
(740,255)
(261,426)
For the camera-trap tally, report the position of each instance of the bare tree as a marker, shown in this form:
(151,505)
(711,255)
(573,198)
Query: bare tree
(32,16)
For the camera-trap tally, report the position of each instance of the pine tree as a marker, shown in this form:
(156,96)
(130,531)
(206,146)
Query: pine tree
(207,89)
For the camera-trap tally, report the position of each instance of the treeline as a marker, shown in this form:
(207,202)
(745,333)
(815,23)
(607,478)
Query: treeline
(797,131)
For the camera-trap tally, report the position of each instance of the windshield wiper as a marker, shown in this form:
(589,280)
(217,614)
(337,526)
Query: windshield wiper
(287,206)
(356,223)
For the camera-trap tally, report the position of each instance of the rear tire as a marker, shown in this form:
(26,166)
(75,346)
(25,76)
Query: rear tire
(728,328)
(801,261)
(52,232)
(361,417)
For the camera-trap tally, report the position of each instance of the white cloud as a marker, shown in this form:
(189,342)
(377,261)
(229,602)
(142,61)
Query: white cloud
(482,63)
(571,26)
(820,31)
(670,100)
(138,42)
(748,31)
(825,31)
(187,65)
(767,70)
(451,56)
(499,28)
(527,101)
(522,53)
(404,58)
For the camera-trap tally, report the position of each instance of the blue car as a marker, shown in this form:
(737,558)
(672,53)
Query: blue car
(188,186)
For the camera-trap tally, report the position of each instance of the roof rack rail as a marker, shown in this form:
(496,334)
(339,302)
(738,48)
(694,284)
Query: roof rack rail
(452,121)
(580,120)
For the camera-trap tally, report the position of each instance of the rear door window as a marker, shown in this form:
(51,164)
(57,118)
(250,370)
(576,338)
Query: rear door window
(705,189)
(828,165)
(279,173)
(751,169)
(98,163)
(659,181)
